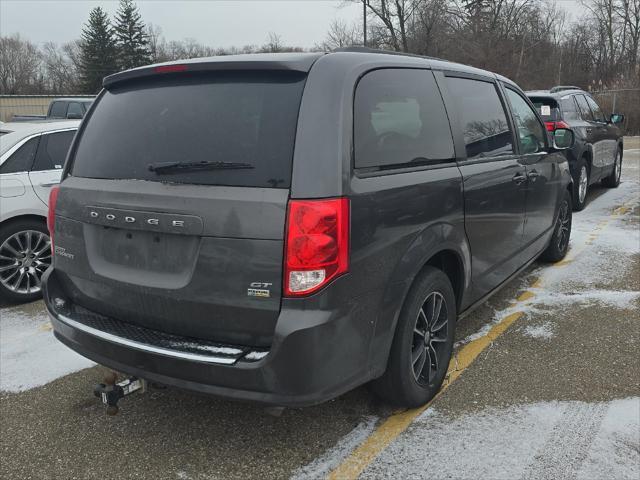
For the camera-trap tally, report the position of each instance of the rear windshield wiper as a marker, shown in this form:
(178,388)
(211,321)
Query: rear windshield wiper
(168,167)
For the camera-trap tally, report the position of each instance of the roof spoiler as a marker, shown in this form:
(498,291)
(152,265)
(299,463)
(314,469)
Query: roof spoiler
(289,62)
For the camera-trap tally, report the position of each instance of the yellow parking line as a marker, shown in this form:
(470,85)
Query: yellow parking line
(393,426)
(397,423)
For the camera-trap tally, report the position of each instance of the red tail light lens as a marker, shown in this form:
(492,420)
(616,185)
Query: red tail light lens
(317,244)
(51,217)
(551,126)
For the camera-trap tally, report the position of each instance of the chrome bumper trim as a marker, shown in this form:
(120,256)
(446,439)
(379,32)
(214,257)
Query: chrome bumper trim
(145,347)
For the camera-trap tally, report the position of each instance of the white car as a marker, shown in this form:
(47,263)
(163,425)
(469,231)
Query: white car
(31,159)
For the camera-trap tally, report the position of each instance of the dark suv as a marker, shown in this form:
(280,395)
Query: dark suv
(597,152)
(282,228)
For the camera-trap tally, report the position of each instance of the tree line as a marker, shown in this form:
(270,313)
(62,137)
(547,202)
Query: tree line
(529,41)
(106,46)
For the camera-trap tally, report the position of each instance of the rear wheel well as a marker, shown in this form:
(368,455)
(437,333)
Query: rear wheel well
(21,218)
(449,262)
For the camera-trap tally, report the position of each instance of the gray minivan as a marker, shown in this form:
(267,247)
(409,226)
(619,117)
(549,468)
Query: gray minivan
(282,228)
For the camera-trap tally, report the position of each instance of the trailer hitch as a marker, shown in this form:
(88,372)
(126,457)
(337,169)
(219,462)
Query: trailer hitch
(111,392)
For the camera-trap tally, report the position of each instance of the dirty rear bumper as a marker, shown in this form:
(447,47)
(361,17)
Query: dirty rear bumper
(317,354)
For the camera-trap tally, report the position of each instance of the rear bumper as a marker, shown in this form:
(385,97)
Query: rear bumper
(316,355)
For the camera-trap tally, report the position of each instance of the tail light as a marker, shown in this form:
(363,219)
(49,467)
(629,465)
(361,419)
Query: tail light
(51,217)
(552,126)
(316,244)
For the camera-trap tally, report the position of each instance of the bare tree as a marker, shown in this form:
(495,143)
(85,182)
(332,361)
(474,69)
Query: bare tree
(341,35)
(273,45)
(396,16)
(20,63)
(61,74)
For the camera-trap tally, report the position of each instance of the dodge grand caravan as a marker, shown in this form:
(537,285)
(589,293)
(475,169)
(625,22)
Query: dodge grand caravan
(282,228)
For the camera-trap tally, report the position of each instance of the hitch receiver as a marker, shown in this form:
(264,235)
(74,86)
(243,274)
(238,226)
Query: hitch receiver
(111,392)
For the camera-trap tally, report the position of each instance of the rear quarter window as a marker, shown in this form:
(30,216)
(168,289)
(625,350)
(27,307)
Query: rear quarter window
(52,151)
(22,159)
(247,117)
(400,120)
(569,108)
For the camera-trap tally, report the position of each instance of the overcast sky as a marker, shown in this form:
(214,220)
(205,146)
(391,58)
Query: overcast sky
(216,23)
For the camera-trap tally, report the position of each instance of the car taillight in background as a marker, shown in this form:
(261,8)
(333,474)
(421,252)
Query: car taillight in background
(316,244)
(551,126)
(51,217)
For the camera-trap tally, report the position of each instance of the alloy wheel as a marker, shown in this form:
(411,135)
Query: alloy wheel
(582,184)
(429,337)
(563,226)
(618,167)
(24,257)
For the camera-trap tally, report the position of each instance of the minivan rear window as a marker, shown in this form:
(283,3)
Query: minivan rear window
(246,118)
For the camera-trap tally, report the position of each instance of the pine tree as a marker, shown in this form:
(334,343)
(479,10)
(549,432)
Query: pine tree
(97,51)
(131,39)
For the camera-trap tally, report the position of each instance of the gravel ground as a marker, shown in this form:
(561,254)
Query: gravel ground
(567,371)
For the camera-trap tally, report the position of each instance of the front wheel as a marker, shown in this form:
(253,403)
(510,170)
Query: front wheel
(25,254)
(423,343)
(559,244)
(613,180)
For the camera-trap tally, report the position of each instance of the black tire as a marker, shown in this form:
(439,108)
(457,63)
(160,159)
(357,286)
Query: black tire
(32,264)
(579,198)
(400,385)
(613,180)
(559,244)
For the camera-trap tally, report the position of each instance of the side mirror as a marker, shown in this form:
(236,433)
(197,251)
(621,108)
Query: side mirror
(563,138)
(616,118)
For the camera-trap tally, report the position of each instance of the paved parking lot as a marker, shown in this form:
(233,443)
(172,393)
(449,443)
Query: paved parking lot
(545,384)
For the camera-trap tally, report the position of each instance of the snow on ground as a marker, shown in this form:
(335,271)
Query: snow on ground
(543,440)
(324,464)
(539,331)
(602,259)
(30,355)
(538,441)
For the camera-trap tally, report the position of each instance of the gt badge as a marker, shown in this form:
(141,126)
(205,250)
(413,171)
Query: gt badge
(259,289)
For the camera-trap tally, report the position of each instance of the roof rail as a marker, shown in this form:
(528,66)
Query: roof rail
(358,49)
(561,88)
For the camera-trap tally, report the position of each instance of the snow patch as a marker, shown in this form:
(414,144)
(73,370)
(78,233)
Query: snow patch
(539,331)
(592,440)
(328,461)
(593,261)
(30,356)
(255,355)
(543,300)
(206,348)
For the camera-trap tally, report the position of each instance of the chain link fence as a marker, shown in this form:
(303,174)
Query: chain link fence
(622,100)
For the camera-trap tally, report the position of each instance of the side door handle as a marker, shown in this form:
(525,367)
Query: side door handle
(533,175)
(49,184)
(519,178)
